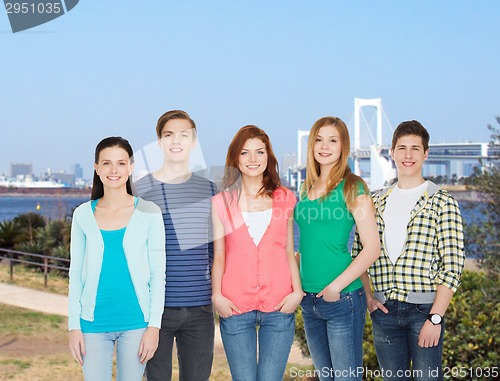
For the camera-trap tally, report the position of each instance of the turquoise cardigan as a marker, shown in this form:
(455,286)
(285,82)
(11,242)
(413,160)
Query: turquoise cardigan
(144,245)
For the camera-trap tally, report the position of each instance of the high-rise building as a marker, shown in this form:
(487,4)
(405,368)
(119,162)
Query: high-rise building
(78,171)
(288,160)
(68,179)
(21,169)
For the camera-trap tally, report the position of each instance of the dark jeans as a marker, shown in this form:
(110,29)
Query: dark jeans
(193,330)
(396,343)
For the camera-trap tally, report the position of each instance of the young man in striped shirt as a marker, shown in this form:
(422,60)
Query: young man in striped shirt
(419,269)
(185,201)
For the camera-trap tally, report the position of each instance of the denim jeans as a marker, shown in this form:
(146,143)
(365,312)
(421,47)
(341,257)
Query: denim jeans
(396,342)
(274,335)
(193,330)
(99,349)
(334,333)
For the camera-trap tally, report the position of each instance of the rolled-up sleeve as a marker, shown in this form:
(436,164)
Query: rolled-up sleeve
(450,245)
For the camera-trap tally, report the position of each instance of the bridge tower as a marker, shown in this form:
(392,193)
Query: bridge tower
(380,167)
(301,162)
(359,103)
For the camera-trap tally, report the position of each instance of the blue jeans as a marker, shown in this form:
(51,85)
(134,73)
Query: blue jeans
(99,347)
(334,333)
(396,342)
(275,337)
(193,330)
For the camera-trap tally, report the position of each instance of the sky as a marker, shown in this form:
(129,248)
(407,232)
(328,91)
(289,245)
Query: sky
(113,67)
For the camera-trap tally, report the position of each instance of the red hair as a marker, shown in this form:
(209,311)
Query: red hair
(271,179)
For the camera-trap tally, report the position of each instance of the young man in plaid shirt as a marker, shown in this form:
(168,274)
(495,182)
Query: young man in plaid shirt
(419,269)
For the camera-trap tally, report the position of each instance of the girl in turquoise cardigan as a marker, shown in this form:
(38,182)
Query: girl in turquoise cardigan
(117,271)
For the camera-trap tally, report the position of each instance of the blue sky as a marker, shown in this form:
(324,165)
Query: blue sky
(113,67)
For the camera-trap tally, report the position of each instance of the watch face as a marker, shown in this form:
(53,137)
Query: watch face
(436,319)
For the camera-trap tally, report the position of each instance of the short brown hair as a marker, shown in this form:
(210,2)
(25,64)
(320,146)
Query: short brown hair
(411,127)
(173,114)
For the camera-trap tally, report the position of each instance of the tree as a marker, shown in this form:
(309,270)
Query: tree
(29,224)
(52,239)
(10,234)
(54,234)
(482,233)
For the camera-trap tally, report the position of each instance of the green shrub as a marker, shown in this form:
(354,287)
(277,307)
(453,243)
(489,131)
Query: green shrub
(472,336)
(300,334)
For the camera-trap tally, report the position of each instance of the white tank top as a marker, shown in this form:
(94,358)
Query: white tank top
(257,223)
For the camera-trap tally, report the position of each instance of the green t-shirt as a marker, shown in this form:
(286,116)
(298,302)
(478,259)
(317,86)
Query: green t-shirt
(325,226)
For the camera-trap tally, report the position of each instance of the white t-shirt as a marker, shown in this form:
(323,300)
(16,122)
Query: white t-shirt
(400,203)
(257,223)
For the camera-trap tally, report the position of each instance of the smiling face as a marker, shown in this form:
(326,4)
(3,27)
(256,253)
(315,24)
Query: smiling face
(253,158)
(177,140)
(327,147)
(114,167)
(409,156)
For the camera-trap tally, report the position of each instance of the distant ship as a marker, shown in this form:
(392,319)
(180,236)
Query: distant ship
(30,184)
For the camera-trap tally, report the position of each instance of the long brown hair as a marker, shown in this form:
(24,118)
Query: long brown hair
(232,175)
(340,171)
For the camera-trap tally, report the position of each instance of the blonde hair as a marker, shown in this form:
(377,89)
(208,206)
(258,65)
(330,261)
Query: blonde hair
(340,171)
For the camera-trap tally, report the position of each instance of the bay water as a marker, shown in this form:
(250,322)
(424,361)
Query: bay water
(62,207)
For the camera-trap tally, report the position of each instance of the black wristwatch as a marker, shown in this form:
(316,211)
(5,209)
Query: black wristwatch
(435,319)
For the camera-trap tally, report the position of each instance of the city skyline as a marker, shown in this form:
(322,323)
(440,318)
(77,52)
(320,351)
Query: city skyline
(111,69)
(285,161)
(455,160)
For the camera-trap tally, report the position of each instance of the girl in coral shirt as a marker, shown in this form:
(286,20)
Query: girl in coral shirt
(255,279)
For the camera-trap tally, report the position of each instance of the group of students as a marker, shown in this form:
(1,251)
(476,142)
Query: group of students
(151,261)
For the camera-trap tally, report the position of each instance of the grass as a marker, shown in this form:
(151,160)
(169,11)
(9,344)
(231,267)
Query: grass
(41,352)
(18,321)
(39,368)
(33,278)
(33,345)
(20,365)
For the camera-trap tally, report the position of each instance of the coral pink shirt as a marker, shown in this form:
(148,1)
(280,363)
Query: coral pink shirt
(256,277)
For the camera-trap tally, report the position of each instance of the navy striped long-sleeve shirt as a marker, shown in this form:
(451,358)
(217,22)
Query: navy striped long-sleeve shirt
(186,209)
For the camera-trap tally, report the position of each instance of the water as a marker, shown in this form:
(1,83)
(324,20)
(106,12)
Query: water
(49,207)
(60,207)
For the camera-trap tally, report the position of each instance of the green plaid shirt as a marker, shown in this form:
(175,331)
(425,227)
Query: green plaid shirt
(433,252)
